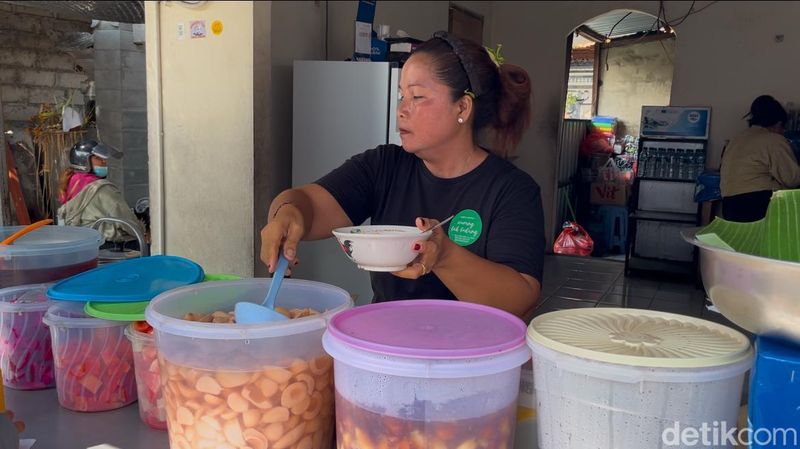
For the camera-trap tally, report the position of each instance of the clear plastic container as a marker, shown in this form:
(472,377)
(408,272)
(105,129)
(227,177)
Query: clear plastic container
(525,437)
(26,356)
(628,379)
(257,385)
(426,373)
(93,359)
(148,378)
(47,254)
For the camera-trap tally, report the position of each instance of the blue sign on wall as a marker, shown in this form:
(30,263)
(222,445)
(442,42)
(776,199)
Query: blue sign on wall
(672,122)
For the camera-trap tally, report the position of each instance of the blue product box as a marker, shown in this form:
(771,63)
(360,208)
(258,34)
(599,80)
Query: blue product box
(380,50)
(774,406)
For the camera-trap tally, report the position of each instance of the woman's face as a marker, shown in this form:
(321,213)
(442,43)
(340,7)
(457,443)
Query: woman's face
(426,114)
(98,162)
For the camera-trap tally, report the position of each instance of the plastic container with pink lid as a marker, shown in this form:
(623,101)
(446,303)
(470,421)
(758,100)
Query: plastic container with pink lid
(426,373)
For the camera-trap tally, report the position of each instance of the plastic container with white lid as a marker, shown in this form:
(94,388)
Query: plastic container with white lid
(26,356)
(47,254)
(430,373)
(620,378)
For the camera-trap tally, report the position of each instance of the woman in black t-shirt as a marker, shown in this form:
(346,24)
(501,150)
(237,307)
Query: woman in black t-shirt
(452,93)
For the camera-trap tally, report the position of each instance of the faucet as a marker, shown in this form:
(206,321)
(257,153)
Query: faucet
(144,250)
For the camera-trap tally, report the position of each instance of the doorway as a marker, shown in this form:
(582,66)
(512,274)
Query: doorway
(616,63)
(87,85)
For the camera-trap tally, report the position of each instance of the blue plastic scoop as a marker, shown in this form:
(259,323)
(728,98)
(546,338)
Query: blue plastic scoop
(250,313)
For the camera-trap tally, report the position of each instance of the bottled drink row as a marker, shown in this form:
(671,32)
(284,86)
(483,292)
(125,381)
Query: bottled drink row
(671,163)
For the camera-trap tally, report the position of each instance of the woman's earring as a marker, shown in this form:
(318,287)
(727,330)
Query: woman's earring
(460,120)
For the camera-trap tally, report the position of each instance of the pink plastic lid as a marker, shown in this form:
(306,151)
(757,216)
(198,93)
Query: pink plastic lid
(429,329)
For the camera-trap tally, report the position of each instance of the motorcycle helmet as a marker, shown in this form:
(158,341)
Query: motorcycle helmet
(80,155)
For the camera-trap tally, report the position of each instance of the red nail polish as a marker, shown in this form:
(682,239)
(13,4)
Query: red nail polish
(417,247)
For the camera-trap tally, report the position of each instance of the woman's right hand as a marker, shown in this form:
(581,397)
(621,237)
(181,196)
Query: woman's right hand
(286,229)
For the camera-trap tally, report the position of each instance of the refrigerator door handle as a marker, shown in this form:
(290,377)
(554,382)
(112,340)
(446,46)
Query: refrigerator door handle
(392,133)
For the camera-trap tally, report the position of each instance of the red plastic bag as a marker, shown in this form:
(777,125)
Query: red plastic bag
(595,143)
(573,240)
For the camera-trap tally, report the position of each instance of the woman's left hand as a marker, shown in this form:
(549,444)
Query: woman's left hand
(430,251)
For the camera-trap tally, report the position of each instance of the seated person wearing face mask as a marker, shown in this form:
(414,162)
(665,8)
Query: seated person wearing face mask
(86,195)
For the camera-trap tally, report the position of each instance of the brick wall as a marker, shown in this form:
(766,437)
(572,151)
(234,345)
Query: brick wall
(36,64)
(121,96)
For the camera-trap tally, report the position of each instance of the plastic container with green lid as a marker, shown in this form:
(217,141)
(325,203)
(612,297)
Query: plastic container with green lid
(47,254)
(620,378)
(93,359)
(134,311)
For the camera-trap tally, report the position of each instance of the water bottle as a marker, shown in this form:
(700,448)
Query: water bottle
(655,161)
(691,165)
(671,159)
(701,162)
(652,169)
(662,164)
(680,171)
(644,157)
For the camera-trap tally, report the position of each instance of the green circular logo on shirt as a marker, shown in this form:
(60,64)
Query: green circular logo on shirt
(466,228)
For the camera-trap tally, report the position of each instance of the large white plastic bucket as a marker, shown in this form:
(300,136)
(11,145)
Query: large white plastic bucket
(591,402)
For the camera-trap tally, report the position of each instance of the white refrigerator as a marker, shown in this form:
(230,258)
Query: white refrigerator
(339,109)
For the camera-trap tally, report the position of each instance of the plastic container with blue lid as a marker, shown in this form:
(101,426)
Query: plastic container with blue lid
(132,280)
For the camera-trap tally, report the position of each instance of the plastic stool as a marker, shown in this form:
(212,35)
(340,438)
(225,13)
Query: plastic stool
(598,235)
(774,391)
(615,224)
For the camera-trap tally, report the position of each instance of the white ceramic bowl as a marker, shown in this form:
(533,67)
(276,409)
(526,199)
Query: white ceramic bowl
(380,247)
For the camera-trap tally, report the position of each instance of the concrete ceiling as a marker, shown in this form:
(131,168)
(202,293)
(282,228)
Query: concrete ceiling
(620,23)
(114,11)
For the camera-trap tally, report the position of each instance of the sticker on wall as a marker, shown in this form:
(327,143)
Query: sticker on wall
(198,28)
(181,31)
(466,228)
(216,27)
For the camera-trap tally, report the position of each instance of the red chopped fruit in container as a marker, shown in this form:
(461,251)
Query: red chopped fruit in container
(93,360)
(26,357)
(148,375)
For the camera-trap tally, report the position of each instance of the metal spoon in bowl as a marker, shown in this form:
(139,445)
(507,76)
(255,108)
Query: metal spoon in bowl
(438,225)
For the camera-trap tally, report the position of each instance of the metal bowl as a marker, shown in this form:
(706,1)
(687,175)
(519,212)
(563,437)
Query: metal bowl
(759,294)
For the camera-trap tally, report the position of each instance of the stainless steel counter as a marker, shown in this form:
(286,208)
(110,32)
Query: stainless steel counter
(55,427)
